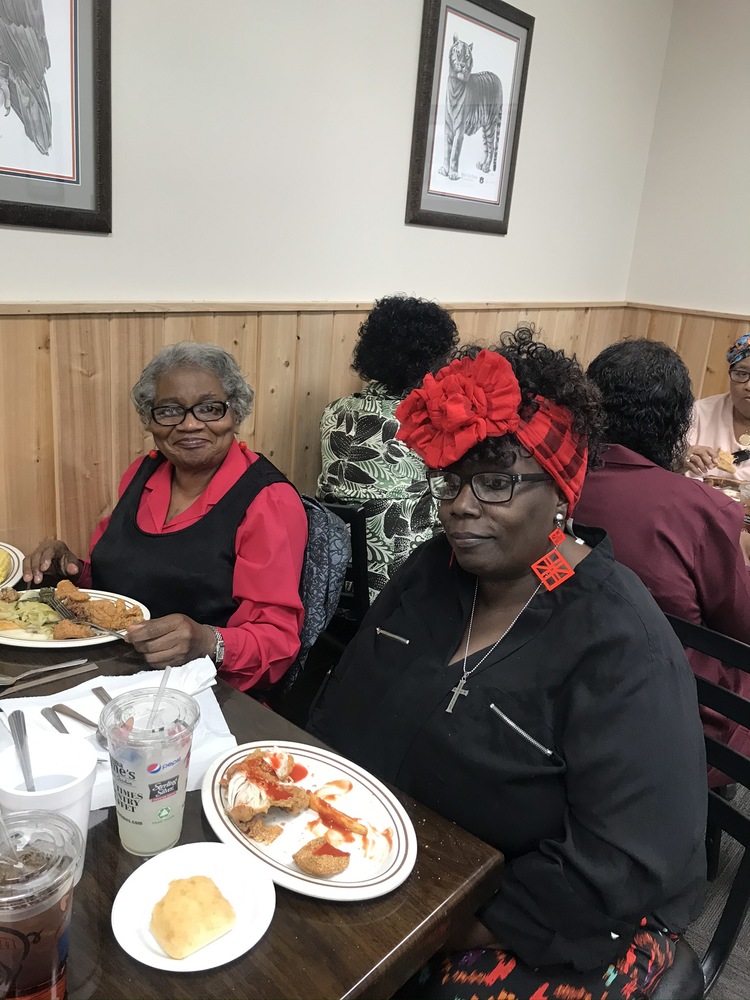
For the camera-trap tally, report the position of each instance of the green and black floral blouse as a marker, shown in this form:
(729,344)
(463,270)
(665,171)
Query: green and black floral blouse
(363,462)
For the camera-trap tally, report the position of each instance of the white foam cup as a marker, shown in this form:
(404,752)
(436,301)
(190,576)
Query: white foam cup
(64,770)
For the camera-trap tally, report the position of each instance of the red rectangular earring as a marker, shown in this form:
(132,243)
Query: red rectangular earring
(553,568)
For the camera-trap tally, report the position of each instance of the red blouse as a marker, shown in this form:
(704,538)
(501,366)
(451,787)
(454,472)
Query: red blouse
(262,636)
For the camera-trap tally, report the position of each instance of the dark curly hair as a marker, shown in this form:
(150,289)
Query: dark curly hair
(647,398)
(401,340)
(542,371)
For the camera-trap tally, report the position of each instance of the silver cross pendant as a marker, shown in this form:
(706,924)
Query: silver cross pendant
(460,688)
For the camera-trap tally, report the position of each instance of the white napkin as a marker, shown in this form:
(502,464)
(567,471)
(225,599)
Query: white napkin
(211,736)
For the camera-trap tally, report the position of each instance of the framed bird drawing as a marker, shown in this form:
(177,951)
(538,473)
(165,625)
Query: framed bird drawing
(55,133)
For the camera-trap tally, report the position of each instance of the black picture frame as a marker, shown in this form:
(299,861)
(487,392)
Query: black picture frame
(443,190)
(74,193)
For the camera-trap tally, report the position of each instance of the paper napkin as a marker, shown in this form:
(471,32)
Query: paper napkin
(210,739)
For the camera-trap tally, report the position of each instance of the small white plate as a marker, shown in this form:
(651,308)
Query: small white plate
(372,872)
(15,572)
(244,881)
(31,640)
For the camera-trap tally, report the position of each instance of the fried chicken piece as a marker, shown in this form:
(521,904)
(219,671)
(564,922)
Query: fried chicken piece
(321,859)
(66,629)
(9,594)
(263,833)
(110,614)
(69,593)
(252,787)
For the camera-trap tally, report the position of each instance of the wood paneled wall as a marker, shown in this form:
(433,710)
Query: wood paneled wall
(69,429)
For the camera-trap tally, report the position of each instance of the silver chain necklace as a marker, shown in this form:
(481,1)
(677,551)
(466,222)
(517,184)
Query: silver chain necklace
(460,688)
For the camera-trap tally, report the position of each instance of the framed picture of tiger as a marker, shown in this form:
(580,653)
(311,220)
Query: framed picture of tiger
(473,63)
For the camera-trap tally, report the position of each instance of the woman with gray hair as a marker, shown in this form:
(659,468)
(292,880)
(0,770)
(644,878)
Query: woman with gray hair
(207,534)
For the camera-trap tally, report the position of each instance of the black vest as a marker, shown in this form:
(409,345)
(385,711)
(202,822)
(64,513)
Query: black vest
(188,572)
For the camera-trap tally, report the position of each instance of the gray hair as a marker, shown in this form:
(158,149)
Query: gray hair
(210,358)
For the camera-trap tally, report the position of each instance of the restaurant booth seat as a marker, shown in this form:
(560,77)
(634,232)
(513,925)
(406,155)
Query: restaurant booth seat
(691,978)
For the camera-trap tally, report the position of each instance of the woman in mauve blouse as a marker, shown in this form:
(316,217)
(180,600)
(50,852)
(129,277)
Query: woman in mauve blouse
(207,534)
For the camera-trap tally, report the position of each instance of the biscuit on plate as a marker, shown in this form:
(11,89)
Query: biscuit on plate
(321,859)
(191,915)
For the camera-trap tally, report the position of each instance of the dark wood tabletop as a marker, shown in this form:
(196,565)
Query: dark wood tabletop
(313,948)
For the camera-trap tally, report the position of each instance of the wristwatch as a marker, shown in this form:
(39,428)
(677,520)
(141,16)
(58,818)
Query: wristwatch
(219,648)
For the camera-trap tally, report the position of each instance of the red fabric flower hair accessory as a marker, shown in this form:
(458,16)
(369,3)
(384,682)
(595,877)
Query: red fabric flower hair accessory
(469,400)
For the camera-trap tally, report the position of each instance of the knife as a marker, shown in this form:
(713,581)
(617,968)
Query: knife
(58,677)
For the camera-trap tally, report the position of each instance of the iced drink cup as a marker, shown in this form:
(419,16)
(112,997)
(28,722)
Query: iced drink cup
(35,905)
(745,498)
(149,760)
(64,771)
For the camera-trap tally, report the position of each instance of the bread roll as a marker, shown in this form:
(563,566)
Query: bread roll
(191,915)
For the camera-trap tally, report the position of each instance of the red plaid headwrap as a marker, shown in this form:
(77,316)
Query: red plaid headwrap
(476,398)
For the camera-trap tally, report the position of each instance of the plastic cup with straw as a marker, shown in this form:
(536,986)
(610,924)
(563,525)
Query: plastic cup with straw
(158,698)
(149,737)
(8,855)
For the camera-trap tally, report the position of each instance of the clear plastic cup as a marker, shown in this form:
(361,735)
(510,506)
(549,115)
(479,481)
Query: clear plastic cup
(64,770)
(745,500)
(149,761)
(35,905)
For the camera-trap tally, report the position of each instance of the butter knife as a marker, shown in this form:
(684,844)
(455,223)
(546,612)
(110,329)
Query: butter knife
(63,675)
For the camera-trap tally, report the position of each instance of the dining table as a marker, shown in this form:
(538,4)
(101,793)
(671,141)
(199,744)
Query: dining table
(313,948)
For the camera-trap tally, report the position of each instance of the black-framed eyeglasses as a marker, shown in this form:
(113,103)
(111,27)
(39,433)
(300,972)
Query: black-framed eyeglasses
(739,375)
(489,487)
(173,414)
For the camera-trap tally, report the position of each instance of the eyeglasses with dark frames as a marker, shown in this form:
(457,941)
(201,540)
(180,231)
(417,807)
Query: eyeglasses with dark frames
(487,487)
(739,375)
(172,414)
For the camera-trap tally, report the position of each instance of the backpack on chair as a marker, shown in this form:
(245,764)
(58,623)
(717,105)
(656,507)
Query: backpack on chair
(327,556)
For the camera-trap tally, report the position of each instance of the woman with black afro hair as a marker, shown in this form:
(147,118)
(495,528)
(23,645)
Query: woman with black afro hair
(401,340)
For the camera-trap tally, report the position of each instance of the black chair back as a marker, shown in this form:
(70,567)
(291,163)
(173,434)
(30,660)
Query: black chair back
(355,595)
(722,815)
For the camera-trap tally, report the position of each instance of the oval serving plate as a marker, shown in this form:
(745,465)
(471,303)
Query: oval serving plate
(371,872)
(20,637)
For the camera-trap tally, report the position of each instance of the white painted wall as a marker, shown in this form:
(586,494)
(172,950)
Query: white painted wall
(692,246)
(261,151)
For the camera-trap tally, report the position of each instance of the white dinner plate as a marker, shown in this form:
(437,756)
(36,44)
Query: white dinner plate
(379,862)
(15,572)
(20,637)
(239,877)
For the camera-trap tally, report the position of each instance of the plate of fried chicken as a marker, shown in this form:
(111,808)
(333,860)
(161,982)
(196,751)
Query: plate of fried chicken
(26,620)
(324,826)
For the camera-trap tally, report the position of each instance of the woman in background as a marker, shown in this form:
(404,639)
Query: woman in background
(207,534)
(722,422)
(680,536)
(400,341)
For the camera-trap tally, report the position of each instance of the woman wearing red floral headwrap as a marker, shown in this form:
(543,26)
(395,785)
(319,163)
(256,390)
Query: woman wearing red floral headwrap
(519,681)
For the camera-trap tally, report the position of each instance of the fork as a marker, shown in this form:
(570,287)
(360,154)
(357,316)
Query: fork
(7,680)
(46,595)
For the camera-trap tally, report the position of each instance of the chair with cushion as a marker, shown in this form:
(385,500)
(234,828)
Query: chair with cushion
(691,978)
